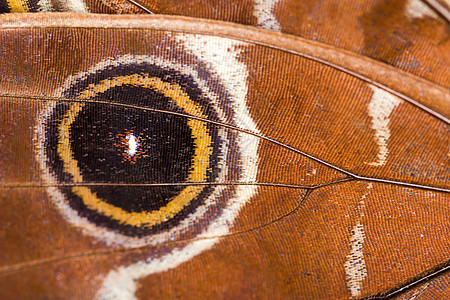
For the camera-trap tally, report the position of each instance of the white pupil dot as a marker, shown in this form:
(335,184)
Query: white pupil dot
(132,144)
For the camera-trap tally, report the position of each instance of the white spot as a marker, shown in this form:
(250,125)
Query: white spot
(355,266)
(264,12)
(45,5)
(369,187)
(380,109)
(418,9)
(69,5)
(76,6)
(132,144)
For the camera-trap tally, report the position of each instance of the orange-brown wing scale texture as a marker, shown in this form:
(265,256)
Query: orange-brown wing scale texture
(323,179)
(407,34)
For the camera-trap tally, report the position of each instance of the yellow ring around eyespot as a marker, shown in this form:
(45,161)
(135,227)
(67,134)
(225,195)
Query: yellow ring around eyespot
(18,6)
(199,168)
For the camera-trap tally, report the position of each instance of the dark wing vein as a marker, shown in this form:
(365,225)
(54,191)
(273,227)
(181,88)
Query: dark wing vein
(141,6)
(233,127)
(412,283)
(294,186)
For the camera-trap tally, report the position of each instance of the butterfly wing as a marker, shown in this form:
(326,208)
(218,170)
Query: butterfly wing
(325,208)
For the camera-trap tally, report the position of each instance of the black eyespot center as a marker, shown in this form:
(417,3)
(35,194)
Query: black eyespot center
(127,130)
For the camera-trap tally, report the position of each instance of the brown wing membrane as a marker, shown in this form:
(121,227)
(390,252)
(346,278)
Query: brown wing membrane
(410,35)
(345,195)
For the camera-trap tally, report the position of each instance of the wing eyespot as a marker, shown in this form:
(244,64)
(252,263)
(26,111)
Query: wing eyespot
(139,122)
